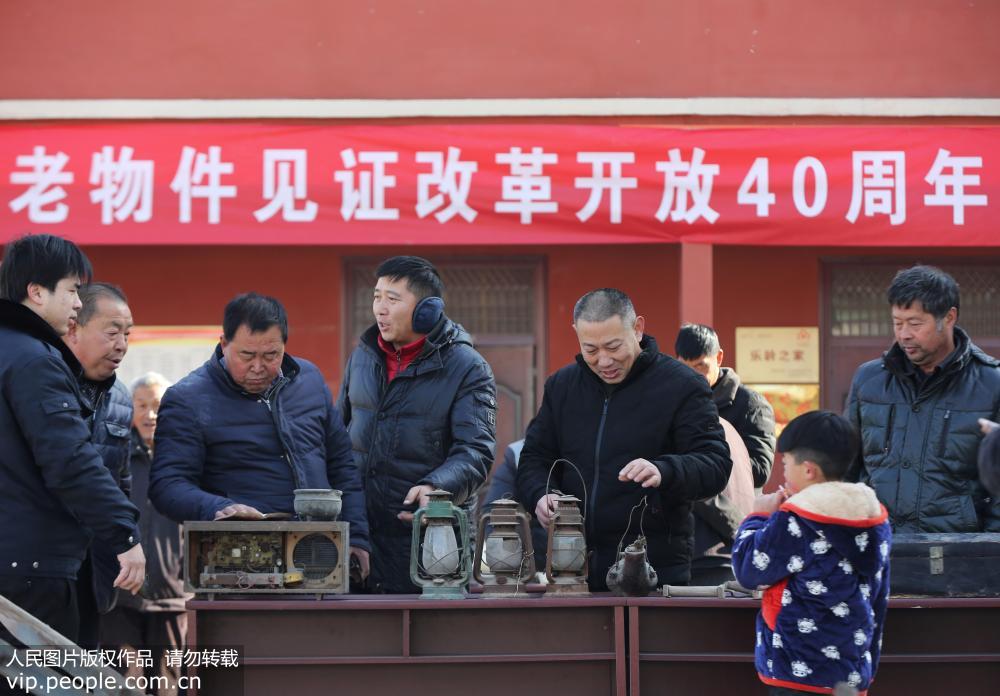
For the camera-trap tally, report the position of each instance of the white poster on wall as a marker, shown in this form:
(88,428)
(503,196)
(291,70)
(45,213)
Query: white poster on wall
(173,351)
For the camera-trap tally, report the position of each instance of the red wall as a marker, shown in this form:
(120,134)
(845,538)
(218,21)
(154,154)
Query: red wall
(519,48)
(648,274)
(191,285)
(758,286)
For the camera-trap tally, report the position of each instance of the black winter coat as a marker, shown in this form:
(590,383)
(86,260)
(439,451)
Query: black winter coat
(434,424)
(662,412)
(920,442)
(54,487)
(164,587)
(216,445)
(753,418)
(110,426)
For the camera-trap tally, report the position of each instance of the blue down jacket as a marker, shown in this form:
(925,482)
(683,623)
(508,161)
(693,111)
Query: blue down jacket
(824,557)
(54,489)
(217,445)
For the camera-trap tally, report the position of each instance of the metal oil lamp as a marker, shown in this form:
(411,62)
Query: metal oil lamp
(507,549)
(566,557)
(439,563)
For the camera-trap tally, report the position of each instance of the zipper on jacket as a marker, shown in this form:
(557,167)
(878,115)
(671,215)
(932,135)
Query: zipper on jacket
(888,430)
(275,416)
(944,433)
(592,495)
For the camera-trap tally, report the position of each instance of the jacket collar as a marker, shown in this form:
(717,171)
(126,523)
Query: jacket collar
(289,371)
(445,333)
(896,362)
(649,352)
(18,317)
(408,351)
(138,446)
(725,388)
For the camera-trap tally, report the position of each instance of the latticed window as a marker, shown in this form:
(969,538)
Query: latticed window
(859,307)
(488,299)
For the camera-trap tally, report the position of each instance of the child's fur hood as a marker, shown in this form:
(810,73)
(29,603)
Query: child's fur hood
(845,501)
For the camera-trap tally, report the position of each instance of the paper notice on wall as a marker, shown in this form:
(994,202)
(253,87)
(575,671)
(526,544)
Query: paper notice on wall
(173,351)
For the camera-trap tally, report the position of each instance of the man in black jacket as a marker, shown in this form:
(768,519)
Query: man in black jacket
(55,491)
(636,424)
(236,436)
(918,409)
(420,405)
(99,340)
(697,346)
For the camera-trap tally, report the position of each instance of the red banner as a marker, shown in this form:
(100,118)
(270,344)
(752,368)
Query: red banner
(289,183)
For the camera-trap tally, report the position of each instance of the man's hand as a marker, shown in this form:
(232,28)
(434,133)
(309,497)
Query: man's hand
(133,572)
(641,471)
(364,561)
(988,426)
(418,495)
(238,511)
(544,509)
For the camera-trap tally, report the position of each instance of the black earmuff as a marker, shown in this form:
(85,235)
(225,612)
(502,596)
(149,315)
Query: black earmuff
(427,314)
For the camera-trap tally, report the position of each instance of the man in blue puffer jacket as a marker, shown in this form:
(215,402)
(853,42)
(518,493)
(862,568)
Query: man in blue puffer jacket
(236,436)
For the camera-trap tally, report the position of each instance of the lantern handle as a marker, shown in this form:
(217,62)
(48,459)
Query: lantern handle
(548,481)
(642,504)
(477,560)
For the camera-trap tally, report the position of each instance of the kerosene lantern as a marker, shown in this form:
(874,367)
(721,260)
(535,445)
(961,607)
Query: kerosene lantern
(439,563)
(506,550)
(566,557)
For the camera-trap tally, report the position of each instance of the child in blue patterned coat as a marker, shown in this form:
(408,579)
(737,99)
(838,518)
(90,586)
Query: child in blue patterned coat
(821,547)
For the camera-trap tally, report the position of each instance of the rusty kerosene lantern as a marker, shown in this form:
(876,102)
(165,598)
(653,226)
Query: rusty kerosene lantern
(506,550)
(566,557)
(440,564)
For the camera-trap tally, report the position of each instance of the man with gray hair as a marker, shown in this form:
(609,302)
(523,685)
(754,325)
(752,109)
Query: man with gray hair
(99,339)
(638,426)
(918,409)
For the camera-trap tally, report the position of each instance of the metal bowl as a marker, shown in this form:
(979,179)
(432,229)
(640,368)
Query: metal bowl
(314,504)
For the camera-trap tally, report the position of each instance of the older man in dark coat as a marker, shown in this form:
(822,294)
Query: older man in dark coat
(918,409)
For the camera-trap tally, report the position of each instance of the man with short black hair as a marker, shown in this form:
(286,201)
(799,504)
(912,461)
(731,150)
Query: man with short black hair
(55,491)
(698,347)
(638,427)
(99,340)
(917,408)
(420,405)
(236,436)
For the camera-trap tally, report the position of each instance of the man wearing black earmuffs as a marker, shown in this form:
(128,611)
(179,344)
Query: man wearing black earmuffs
(420,405)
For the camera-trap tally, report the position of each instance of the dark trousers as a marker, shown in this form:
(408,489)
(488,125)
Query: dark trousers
(50,600)
(157,631)
(90,618)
